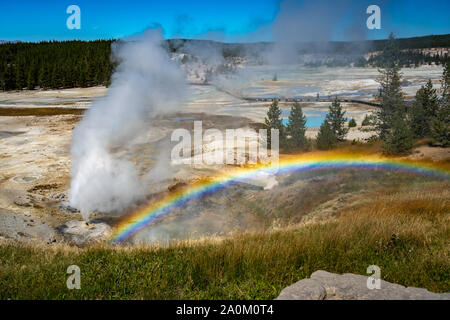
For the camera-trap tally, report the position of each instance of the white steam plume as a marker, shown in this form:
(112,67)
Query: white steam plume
(145,84)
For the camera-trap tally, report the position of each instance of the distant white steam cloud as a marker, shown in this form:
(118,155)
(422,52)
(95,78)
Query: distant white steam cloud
(146,83)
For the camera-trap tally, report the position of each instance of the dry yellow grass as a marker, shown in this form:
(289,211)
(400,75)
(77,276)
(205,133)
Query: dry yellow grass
(405,232)
(399,223)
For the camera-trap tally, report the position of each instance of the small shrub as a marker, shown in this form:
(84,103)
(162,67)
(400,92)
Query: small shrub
(369,120)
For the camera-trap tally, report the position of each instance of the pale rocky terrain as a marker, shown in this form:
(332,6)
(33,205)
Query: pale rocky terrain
(35,173)
(35,149)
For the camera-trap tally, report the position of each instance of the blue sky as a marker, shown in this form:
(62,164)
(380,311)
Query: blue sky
(231,20)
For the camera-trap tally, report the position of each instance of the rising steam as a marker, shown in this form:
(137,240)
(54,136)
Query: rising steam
(145,84)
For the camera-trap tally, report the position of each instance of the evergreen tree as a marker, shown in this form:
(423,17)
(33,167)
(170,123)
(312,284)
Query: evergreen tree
(326,138)
(273,121)
(30,81)
(366,121)
(445,85)
(10,83)
(398,140)
(352,123)
(83,81)
(335,117)
(391,53)
(44,77)
(296,127)
(54,78)
(91,78)
(2,79)
(423,110)
(20,77)
(390,94)
(440,125)
(407,58)
(392,125)
(391,98)
(54,64)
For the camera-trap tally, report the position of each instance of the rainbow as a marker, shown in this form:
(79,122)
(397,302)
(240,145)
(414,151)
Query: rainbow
(146,215)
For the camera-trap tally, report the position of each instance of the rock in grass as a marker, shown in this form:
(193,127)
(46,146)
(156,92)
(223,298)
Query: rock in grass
(82,232)
(324,285)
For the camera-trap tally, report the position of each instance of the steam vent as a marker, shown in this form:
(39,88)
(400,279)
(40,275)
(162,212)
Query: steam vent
(251,151)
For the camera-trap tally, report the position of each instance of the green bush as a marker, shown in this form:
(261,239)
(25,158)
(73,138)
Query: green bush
(369,120)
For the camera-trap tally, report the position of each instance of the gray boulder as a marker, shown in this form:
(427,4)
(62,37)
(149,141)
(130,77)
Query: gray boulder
(82,232)
(324,285)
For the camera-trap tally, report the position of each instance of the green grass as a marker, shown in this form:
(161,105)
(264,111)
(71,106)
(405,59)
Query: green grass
(398,222)
(406,233)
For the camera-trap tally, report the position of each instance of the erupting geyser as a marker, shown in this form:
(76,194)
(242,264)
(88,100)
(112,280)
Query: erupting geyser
(146,83)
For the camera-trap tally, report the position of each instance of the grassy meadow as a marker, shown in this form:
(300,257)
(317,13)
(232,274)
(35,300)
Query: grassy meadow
(402,227)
